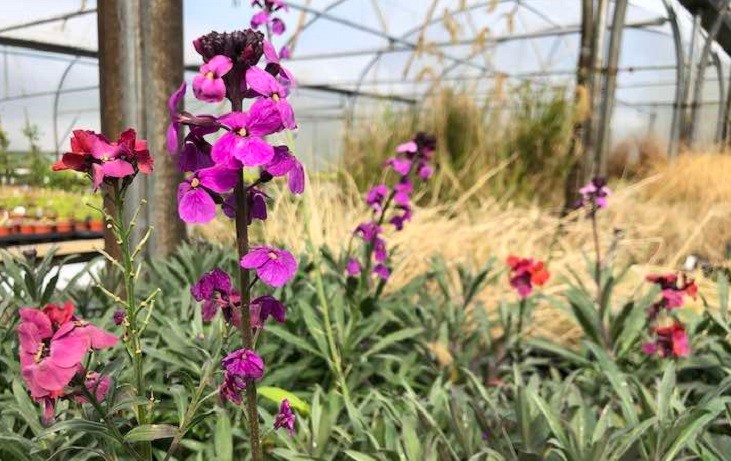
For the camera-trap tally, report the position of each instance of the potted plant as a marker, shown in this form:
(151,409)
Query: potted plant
(43,226)
(65,226)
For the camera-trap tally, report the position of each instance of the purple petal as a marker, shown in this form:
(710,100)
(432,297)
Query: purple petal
(219,65)
(297,179)
(256,257)
(261,81)
(195,205)
(219,179)
(278,26)
(223,148)
(252,151)
(209,89)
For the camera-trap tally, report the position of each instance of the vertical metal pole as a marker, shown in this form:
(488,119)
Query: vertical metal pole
(718,137)
(162,72)
(582,109)
(600,30)
(689,65)
(615,45)
(727,117)
(676,123)
(701,73)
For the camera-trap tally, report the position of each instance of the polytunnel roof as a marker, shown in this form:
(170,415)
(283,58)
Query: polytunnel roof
(349,54)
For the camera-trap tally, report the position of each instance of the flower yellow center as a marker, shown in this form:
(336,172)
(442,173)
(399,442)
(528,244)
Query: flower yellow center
(105,158)
(273,255)
(275,97)
(242,132)
(195,183)
(210,75)
(39,354)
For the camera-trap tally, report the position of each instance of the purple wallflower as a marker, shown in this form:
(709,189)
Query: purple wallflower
(264,307)
(208,86)
(244,363)
(409,147)
(243,144)
(285,418)
(173,102)
(399,165)
(353,268)
(273,266)
(368,231)
(284,163)
(382,271)
(214,289)
(376,196)
(596,192)
(263,83)
(196,151)
(197,195)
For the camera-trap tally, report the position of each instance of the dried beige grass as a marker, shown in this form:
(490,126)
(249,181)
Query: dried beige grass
(682,208)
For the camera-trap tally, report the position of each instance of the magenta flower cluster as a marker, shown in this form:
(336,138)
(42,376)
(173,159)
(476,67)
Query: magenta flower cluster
(392,204)
(594,194)
(214,155)
(669,335)
(214,168)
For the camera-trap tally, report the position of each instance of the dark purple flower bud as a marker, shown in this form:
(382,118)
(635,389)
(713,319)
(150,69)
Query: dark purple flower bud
(285,418)
(119,316)
(264,307)
(241,46)
(257,204)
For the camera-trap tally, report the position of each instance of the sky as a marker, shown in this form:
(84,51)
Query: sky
(25,72)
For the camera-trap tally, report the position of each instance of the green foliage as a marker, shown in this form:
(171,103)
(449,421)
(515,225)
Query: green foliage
(399,398)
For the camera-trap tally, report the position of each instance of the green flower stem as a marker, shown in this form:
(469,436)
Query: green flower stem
(242,244)
(123,231)
(519,333)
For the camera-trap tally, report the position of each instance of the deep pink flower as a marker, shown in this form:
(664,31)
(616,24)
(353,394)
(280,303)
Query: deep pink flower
(208,86)
(51,353)
(284,163)
(285,418)
(368,231)
(244,363)
(670,341)
(425,171)
(273,266)
(197,196)
(174,126)
(263,83)
(93,154)
(407,147)
(673,288)
(524,273)
(98,385)
(243,144)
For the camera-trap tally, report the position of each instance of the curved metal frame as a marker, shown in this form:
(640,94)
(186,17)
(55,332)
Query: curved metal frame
(675,125)
(701,72)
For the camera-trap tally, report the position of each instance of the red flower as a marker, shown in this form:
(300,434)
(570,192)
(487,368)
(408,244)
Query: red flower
(93,154)
(526,272)
(670,341)
(674,289)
